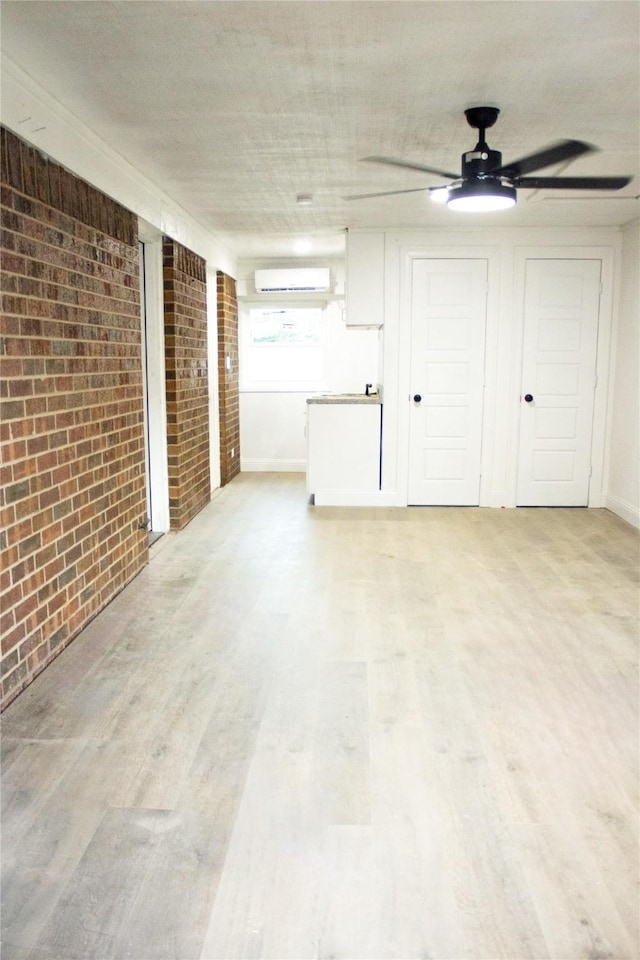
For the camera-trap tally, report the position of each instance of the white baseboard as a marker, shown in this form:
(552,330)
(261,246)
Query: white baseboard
(257,465)
(628,511)
(337,498)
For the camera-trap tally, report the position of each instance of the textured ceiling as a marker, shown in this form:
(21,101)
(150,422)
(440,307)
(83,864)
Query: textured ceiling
(235,108)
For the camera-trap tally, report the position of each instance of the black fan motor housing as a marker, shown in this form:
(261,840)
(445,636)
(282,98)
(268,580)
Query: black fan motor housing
(479,162)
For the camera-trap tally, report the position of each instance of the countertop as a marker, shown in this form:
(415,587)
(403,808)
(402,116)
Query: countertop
(346,398)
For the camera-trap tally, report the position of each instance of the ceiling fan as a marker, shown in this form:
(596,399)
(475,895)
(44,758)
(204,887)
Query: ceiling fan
(487,184)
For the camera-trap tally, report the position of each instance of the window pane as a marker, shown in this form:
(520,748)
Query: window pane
(283,348)
(296,327)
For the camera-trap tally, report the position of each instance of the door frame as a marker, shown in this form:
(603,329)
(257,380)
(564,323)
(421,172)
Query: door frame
(603,356)
(212,374)
(450,495)
(153,378)
(475,251)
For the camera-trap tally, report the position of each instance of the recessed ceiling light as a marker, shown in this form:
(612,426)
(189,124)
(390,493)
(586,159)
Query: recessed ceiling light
(304,199)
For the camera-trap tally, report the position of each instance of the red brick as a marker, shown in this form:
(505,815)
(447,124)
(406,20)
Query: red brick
(186,361)
(72,329)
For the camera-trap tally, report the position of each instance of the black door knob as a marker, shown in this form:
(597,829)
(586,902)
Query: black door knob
(417,397)
(528,397)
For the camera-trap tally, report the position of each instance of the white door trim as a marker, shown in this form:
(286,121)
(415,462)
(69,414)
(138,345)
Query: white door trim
(445,431)
(562,313)
(467,252)
(212,374)
(607,255)
(155,385)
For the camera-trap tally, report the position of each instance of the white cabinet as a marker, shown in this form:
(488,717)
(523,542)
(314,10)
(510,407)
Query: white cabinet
(365,279)
(343,450)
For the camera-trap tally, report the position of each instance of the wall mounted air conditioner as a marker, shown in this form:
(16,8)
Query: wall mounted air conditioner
(293,280)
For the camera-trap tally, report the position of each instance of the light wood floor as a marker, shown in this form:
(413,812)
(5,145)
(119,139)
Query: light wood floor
(338,733)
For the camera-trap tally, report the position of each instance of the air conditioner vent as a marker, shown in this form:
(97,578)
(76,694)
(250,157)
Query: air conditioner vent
(293,280)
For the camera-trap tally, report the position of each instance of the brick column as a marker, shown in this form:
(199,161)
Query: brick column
(228,379)
(71,417)
(185,319)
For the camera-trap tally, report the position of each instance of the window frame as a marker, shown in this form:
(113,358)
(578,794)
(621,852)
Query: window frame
(303,385)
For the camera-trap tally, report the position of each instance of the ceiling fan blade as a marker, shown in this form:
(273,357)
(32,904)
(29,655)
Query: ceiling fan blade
(391,161)
(554,153)
(387,193)
(625,196)
(573,183)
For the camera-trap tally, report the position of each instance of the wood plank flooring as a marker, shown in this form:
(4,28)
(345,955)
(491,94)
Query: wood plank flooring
(369,734)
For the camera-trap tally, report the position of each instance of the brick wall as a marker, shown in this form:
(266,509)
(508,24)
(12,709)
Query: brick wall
(228,380)
(71,416)
(185,319)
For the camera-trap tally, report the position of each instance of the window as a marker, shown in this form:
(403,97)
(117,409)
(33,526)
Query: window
(283,348)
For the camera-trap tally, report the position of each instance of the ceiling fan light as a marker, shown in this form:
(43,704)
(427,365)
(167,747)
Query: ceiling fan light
(481,197)
(440,195)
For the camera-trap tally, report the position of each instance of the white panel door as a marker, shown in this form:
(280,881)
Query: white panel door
(448,320)
(562,301)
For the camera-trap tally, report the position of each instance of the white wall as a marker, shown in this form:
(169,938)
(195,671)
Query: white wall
(272,431)
(623,481)
(273,423)
(272,427)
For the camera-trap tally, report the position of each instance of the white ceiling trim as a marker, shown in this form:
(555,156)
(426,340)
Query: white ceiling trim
(33,114)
